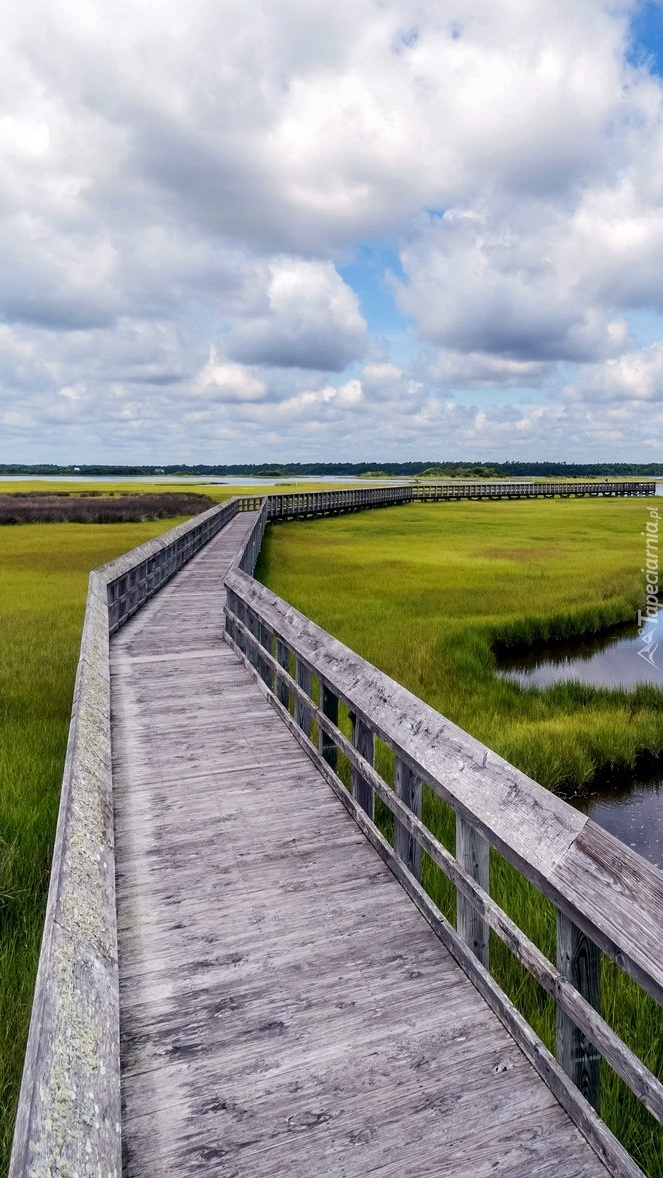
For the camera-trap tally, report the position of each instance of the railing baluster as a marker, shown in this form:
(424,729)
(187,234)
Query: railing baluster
(473,853)
(329,705)
(363,740)
(302,715)
(253,625)
(578,959)
(283,657)
(266,638)
(407,787)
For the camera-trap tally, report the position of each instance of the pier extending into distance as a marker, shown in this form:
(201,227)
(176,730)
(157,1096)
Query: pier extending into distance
(298,504)
(240,974)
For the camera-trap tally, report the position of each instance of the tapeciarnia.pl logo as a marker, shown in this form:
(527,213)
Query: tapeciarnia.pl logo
(648,617)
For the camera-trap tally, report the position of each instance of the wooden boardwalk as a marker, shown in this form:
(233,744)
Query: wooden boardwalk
(285,1009)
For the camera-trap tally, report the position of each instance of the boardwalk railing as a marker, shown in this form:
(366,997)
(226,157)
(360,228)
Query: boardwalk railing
(305,504)
(68,1119)
(607,897)
(522,490)
(138,575)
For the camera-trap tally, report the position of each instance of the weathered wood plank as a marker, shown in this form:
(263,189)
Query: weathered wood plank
(364,742)
(532,828)
(329,705)
(407,788)
(473,854)
(269,963)
(578,960)
(302,714)
(641,1081)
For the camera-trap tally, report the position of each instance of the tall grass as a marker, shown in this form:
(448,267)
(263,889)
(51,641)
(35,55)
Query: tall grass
(42,597)
(424,592)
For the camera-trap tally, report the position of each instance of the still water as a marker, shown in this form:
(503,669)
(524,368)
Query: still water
(632,811)
(619,658)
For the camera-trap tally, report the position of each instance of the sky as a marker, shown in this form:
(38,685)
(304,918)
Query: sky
(254,230)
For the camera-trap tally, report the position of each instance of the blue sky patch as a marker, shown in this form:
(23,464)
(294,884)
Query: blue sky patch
(367,275)
(647,37)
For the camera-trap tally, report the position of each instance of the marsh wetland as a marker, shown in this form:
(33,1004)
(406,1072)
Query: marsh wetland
(427,592)
(629,805)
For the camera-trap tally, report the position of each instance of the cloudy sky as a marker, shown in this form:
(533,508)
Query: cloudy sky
(249,230)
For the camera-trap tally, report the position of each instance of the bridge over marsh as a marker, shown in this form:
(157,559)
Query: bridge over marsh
(241,973)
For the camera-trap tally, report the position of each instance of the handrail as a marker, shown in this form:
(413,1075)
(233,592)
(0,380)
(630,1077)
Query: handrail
(305,504)
(68,1119)
(607,897)
(532,490)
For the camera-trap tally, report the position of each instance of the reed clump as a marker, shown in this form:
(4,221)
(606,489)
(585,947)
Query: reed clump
(90,507)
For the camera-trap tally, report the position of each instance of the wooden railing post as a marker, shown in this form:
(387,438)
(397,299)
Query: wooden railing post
(407,787)
(473,854)
(266,671)
(283,658)
(302,714)
(363,740)
(231,608)
(254,627)
(329,704)
(578,959)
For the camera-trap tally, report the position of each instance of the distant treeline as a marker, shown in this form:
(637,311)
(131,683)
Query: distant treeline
(32,508)
(402,469)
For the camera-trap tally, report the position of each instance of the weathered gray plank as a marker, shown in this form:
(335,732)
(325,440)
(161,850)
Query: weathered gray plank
(364,742)
(578,959)
(407,788)
(270,963)
(536,831)
(473,854)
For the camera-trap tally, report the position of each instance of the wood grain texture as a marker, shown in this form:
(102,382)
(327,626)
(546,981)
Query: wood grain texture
(608,890)
(69,1108)
(364,742)
(284,1008)
(329,705)
(473,854)
(570,1001)
(579,961)
(638,1077)
(407,788)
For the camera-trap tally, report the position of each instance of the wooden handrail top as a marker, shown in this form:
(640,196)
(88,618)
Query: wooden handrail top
(128,561)
(605,888)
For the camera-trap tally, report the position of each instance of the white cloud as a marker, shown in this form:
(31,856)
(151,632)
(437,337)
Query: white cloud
(221,381)
(193,178)
(633,377)
(497,281)
(311,320)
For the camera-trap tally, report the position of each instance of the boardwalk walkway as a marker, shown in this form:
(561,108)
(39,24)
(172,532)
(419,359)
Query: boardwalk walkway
(285,1009)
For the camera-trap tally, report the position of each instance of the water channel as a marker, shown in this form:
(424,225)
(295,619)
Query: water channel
(631,810)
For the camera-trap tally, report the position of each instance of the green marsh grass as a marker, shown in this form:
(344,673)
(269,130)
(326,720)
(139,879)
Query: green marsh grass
(43,588)
(424,592)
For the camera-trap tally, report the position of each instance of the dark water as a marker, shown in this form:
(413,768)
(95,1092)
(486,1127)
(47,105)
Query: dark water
(620,658)
(632,811)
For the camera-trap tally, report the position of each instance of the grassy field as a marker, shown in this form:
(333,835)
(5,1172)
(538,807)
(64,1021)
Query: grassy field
(216,489)
(424,592)
(42,598)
